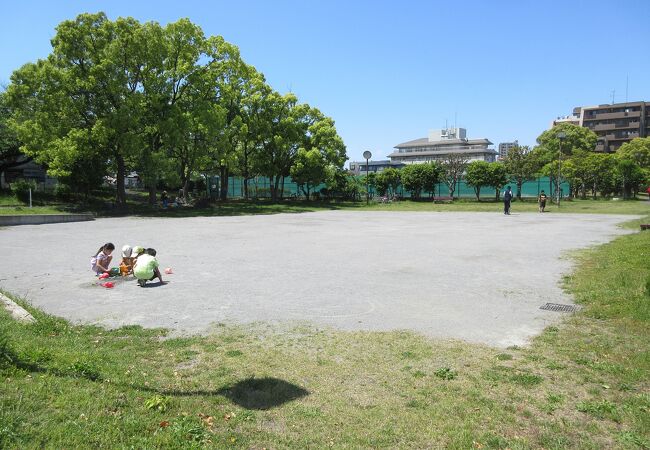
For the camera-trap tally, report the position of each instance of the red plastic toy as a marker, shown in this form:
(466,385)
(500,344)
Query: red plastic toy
(108,284)
(168,270)
(104,276)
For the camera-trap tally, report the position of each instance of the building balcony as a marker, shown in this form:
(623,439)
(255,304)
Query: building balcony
(613,115)
(629,125)
(627,137)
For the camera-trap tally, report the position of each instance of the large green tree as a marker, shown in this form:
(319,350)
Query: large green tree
(452,169)
(287,127)
(10,154)
(478,175)
(521,165)
(309,170)
(575,138)
(78,104)
(497,177)
(418,178)
(390,178)
(114,96)
(637,150)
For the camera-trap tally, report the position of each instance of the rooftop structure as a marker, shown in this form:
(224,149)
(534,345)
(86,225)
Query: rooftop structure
(442,143)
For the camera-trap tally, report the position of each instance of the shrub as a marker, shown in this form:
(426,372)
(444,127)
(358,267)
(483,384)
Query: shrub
(7,356)
(157,402)
(62,191)
(20,189)
(526,379)
(446,373)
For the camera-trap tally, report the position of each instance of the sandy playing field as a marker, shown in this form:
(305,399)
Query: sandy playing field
(481,277)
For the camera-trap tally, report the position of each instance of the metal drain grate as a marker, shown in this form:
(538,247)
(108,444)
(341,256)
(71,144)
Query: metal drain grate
(559,308)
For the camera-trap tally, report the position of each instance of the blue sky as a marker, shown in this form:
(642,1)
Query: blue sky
(387,72)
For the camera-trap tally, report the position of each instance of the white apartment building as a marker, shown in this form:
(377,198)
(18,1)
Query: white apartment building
(442,143)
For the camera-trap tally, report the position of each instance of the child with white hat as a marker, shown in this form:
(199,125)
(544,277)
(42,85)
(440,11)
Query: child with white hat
(126,265)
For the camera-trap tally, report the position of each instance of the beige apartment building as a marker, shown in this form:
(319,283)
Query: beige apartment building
(614,124)
(440,144)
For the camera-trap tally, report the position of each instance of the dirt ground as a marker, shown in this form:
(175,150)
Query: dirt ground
(480,277)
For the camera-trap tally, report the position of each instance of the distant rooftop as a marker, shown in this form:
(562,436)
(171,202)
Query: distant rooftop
(425,142)
(447,151)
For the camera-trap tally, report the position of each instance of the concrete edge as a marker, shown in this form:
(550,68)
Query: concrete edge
(40,219)
(17,312)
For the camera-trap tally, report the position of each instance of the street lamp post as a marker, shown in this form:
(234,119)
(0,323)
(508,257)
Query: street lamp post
(367,155)
(561,135)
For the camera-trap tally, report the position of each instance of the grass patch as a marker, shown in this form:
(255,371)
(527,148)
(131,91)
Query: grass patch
(257,207)
(26,210)
(581,384)
(446,373)
(102,204)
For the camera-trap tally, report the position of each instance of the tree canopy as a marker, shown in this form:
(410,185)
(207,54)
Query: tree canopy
(166,101)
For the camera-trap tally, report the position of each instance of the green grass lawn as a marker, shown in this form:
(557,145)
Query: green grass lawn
(26,210)
(10,205)
(583,384)
(241,207)
(570,206)
(9,200)
(137,206)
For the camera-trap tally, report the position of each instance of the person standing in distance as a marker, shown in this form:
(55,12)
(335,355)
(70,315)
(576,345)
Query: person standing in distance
(541,200)
(507,198)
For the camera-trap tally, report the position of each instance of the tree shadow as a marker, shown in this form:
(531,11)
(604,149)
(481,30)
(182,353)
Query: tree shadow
(262,393)
(251,393)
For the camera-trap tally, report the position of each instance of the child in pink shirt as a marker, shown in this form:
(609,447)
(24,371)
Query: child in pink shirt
(102,259)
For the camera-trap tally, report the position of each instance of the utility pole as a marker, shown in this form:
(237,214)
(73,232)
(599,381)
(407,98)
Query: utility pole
(367,155)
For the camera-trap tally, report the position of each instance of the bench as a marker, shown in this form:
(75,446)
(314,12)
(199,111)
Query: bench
(443,199)
(645,226)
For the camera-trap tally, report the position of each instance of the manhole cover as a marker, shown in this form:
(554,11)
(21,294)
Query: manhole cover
(558,307)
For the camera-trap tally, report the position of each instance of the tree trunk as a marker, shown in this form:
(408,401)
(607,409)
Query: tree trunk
(120,198)
(184,179)
(152,194)
(282,189)
(452,189)
(186,186)
(223,182)
(276,187)
(519,184)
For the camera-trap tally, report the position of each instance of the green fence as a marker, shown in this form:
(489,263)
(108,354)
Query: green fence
(260,188)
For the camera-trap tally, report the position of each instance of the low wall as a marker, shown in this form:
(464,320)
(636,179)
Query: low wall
(39,219)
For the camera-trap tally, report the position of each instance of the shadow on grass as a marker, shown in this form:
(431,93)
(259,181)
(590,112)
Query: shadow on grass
(229,208)
(262,393)
(251,393)
(79,369)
